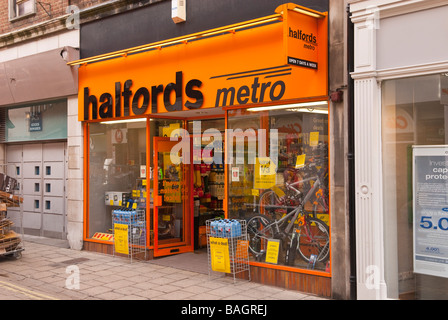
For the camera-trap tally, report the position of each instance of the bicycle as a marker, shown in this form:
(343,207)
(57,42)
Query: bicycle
(277,201)
(298,230)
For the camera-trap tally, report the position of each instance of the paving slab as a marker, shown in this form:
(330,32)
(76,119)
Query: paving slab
(53,271)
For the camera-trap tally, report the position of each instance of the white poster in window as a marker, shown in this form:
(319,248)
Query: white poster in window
(235,174)
(119,136)
(430,208)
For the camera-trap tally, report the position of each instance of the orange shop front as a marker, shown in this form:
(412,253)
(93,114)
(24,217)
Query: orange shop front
(230,122)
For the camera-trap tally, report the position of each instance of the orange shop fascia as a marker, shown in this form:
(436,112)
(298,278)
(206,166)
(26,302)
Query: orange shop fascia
(274,59)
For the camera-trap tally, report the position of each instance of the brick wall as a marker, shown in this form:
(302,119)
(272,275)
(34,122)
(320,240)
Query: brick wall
(45,20)
(55,8)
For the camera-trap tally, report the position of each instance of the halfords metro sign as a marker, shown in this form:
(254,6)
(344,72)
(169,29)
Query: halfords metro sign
(280,61)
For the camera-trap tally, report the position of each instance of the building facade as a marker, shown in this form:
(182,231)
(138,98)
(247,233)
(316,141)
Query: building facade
(400,143)
(273,73)
(38,94)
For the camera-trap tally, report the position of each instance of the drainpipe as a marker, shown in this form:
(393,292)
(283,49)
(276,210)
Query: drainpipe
(351,155)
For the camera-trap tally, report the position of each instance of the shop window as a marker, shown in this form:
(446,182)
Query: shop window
(278,171)
(415,117)
(36,122)
(117,171)
(21,8)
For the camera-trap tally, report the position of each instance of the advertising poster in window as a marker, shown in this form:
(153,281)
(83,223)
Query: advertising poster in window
(430,194)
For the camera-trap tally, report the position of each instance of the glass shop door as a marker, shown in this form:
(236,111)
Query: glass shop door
(172,214)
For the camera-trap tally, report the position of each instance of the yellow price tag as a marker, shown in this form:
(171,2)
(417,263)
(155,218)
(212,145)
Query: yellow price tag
(300,162)
(314,139)
(136,193)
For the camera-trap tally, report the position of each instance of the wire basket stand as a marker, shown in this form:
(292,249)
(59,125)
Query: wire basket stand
(11,243)
(227,248)
(129,229)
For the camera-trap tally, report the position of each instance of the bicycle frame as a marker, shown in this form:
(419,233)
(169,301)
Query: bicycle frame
(291,186)
(295,213)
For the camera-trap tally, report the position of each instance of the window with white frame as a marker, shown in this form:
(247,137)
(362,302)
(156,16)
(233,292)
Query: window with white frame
(21,8)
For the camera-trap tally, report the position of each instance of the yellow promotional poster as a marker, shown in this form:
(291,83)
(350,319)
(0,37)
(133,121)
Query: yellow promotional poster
(276,58)
(300,162)
(314,139)
(219,254)
(121,234)
(272,251)
(265,173)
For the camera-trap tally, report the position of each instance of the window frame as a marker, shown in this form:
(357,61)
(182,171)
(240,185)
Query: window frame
(14,9)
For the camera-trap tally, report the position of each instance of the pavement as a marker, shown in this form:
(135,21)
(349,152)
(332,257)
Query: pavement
(49,270)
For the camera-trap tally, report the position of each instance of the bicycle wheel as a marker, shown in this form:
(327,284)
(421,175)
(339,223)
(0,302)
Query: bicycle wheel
(259,232)
(269,204)
(314,239)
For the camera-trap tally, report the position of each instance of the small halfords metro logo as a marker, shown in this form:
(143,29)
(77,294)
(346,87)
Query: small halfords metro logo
(299,34)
